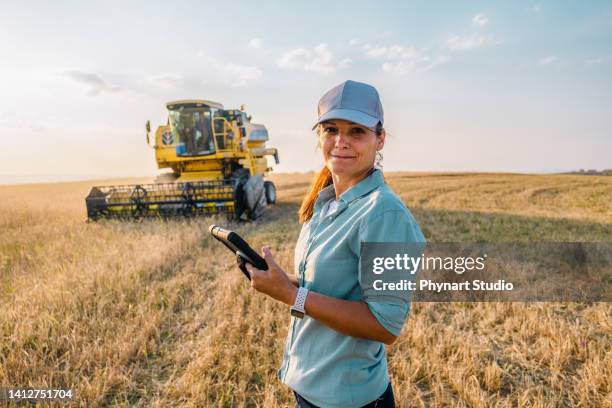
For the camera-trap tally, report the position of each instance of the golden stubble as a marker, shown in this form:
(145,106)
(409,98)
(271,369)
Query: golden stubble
(155,313)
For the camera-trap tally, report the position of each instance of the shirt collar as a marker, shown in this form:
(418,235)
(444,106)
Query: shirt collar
(368,184)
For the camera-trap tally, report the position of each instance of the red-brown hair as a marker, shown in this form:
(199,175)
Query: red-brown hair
(322,180)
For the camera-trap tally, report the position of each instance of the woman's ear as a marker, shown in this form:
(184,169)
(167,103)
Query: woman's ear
(381,140)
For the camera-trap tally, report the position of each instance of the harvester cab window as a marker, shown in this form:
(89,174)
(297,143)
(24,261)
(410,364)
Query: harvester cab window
(192,128)
(203,140)
(218,123)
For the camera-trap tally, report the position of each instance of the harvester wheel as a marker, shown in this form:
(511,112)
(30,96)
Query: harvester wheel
(270,189)
(240,178)
(259,207)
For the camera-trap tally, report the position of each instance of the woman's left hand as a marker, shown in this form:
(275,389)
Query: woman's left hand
(274,282)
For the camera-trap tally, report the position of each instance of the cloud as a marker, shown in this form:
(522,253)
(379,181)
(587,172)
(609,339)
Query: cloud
(91,81)
(595,61)
(29,122)
(470,42)
(480,20)
(403,60)
(167,81)
(255,43)
(318,59)
(226,72)
(412,65)
(391,52)
(535,8)
(240,75)
(548,60)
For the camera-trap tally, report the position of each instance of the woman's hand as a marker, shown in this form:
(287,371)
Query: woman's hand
(350,317)
(274,282)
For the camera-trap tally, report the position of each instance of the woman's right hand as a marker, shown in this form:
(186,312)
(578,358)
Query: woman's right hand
(274,282)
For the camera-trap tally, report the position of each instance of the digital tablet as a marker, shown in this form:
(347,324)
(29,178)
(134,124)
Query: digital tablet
(244,252)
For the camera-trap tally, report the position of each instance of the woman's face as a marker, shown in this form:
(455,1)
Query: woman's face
(348,148)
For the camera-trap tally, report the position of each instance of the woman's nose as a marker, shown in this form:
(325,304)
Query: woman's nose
(341,139)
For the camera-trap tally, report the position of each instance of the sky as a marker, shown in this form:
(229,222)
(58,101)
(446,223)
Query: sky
(518,86)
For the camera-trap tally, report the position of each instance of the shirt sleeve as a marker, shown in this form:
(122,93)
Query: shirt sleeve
(392,233)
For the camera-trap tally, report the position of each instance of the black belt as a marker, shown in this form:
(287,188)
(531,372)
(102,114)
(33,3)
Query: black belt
(386,400)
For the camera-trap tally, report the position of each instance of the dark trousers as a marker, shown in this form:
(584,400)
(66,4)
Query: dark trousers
(386,400)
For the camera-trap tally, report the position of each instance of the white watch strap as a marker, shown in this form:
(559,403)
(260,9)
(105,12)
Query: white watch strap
(300,299)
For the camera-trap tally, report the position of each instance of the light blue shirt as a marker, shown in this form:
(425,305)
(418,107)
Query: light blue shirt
(328,368)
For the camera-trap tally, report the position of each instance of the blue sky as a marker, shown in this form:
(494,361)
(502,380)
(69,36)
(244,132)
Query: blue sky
(466,86)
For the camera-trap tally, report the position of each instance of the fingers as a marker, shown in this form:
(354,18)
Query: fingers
(253,272)
(268,256)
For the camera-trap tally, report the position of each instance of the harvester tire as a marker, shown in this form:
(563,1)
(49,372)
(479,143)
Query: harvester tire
(240,178)
(254,197)
(270,190)
(260,207)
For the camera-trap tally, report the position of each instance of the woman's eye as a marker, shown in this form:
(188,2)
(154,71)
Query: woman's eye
(357,131)
(329,130)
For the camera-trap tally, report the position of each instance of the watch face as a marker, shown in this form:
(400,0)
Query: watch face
(297,313)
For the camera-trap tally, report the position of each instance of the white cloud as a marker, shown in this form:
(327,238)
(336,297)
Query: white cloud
(470,42)
(480,20)
(240,75)
(30,122)
(391,52)
(167,81)
(412,65)
(255,43)
(548,60)
(318,59)
(535,8)
(354,42)
(227,72)
(403,60)
(595,61)
(94,84)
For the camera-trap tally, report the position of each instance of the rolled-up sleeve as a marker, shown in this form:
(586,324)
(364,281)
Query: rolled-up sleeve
(397,231)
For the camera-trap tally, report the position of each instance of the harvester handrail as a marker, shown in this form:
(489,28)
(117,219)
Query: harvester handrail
(229,144)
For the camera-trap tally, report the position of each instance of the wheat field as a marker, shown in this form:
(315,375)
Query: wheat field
(156,314)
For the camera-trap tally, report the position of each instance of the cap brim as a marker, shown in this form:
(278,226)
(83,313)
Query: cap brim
(351,115)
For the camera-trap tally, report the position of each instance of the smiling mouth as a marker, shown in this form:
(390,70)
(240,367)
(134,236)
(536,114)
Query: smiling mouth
(342,157)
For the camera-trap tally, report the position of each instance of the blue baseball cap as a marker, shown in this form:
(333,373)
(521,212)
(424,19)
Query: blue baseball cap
(353,101)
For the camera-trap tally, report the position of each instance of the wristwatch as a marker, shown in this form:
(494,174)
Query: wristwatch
(297,309)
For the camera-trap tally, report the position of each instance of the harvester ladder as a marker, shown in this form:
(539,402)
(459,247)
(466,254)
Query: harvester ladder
(229,145)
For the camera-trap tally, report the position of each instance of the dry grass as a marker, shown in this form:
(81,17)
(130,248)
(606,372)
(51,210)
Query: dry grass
(155,314)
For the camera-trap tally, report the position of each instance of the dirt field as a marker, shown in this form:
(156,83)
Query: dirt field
(156,314)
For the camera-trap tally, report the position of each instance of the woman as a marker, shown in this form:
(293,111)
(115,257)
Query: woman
(334,352)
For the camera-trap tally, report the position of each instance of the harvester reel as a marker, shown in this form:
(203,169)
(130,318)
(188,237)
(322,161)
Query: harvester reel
(189,196)
(138,198)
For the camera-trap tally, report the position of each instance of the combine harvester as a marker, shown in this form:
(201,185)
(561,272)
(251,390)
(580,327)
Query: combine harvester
(218,161)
